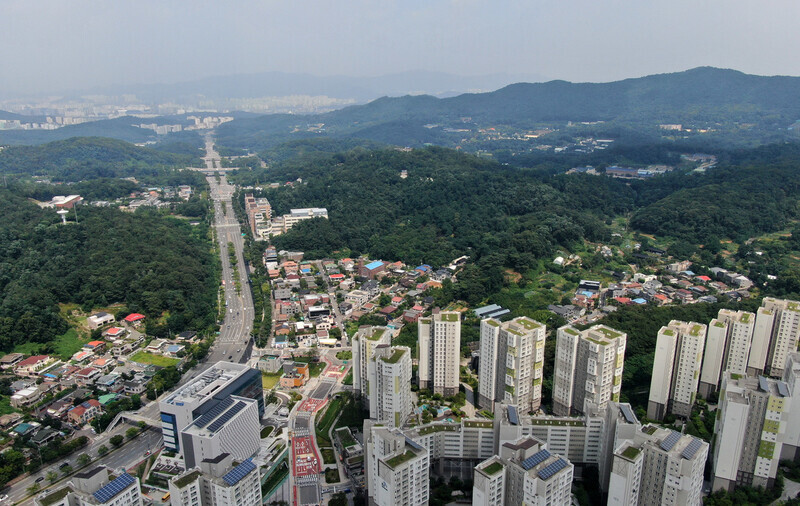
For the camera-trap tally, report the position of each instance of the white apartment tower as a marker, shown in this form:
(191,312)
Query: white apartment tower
(364,343)
(676,369)
(217,482)
(588,367)
(511,370)
(753,423)
(716,338)
(397,468)
(389,385)
(658,467)
(524,473)
(440,352)
(740,326)
(785,331)
(762,335)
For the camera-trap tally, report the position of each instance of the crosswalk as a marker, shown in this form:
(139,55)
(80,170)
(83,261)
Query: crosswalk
(311,479)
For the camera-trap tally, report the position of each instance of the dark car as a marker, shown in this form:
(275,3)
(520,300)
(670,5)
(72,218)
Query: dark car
(40,478)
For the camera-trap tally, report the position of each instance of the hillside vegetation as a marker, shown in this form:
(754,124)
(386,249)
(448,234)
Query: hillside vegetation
(84,158)
(158,266)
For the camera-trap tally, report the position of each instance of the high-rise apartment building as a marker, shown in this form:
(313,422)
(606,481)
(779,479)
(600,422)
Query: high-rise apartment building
(524,473)
(397,468)
(785,332)
(713,357)
(218,481)
(762,335)
(389,372)
(364,343)
(259,213)
(511,363)
(676,369)
(588,367)
(202,394)
(752,423)
(440,352)
(740,335)
(658,467)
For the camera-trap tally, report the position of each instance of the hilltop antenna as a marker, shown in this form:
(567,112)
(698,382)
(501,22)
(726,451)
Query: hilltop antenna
(63,213)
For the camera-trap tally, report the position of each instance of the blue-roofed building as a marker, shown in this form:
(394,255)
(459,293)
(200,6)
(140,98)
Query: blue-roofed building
(639,301)
(371,269)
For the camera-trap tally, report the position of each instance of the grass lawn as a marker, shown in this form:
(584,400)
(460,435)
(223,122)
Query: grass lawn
(277,477)
(266,431)
(148,358)
(28,348)
(314,368)
(69,343)
(268,381)
(5,405)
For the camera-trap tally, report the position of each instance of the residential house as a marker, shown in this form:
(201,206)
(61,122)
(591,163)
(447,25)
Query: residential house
(87,376)
(31,366)
(84,412)
(10,360)
(295,374)
(97,320)
(26,397)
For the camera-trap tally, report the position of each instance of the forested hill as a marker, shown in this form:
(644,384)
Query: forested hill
(453,204)
(155,265)
(705,94)
(83,158)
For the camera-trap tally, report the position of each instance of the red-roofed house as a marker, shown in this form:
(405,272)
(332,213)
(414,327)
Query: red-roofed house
(660,299)
(397,300)
(84,412)
(95,346)
(623,300)
(32,365)
(704,279)
(134,317)
(388,310)
(115,332)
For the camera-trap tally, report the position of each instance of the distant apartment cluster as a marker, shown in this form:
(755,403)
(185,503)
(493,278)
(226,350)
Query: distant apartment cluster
(263,225)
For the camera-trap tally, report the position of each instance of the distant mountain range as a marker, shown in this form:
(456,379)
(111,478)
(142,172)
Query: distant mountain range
(279,84)
(705,97)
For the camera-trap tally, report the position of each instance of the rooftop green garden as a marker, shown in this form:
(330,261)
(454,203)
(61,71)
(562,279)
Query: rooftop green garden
(695,330)
(430,429)
(493,323)
(556,422)
(570,330)
(668,332)
(398,353)
(377,333)
(609,333)
(631,452)
(449,317)
(55,496)
(185,480)
(493,468)
(478,424)
(528,323)
(719,324)
(400,459)
(744,318)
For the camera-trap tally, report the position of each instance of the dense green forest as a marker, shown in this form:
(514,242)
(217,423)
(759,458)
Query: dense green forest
(156,265)
(85,158)
(752,109)
(453,204)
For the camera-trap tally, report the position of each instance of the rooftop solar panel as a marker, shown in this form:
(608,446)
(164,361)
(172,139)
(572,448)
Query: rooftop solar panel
(237,473)
(783,390)
(214,412)
(552,469)
(513,419)
(222,420)
(413,444)
(535,459)
(691,448)
(670,440)
(627,413)
(762,384)
(116,486)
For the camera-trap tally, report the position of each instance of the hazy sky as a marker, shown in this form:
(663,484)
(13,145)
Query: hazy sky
(58,44)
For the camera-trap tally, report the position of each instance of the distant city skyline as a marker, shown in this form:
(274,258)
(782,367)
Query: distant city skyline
(53,46)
